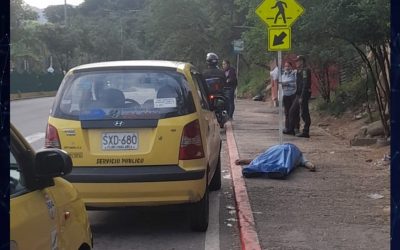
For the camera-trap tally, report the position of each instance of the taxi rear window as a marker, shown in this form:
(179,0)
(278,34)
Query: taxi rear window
(123,94)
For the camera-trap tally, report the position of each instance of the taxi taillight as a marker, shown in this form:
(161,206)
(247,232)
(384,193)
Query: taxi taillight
(52,140)
(191,144)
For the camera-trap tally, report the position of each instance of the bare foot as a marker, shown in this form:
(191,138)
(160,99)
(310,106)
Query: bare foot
(310,166)
(243,161)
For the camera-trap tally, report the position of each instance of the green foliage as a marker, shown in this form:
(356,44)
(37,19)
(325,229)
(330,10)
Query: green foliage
(19,12)
(27,48)
(255,37)
(62,42)
(348,96)
(56,13)
(175,31)
(187,29)
(252,81)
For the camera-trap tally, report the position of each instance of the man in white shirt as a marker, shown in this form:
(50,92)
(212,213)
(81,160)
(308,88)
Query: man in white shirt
(274,85)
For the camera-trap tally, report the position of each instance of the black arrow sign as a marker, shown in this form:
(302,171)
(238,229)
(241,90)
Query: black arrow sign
(278,40)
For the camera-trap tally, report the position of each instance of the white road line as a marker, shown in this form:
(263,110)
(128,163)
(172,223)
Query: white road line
(212,234)
(35,137)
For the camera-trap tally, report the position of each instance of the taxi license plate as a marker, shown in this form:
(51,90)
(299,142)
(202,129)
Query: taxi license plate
(119,141)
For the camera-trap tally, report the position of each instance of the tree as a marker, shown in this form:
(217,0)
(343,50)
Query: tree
(369,35)
(28,50)
(56,13)
(222,19)
(20,12)
(175,30)
(62,42)
(255,36)
(24,47)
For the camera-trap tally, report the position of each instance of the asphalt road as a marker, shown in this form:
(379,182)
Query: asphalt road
(143,228)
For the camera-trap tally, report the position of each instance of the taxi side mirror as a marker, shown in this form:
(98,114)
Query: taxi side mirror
(52,162)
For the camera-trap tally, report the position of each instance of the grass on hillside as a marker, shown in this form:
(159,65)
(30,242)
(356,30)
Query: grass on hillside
(348,96)
(252,82)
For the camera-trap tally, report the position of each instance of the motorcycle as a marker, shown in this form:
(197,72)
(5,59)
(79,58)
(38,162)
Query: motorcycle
(218,100)
(218,104)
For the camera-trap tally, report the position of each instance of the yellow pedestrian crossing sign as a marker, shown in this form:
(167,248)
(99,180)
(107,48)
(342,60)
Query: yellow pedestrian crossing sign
(279,13)
(279,39)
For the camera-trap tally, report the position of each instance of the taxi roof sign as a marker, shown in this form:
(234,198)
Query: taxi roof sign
(279,13)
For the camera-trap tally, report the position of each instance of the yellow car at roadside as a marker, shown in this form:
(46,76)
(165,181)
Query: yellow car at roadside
(45,210)
(140,133)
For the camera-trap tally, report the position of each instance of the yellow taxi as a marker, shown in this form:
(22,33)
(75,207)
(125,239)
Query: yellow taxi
(140,133)
(45,210)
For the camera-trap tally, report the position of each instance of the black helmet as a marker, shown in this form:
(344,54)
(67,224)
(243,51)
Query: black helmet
(212,59)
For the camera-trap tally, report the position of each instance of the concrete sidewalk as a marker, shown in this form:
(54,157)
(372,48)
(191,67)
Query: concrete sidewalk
(333,208)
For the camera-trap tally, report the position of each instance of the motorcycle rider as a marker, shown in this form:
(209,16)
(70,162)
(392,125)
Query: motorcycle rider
(214,77)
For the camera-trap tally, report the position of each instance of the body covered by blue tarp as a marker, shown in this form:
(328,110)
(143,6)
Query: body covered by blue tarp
(276,162)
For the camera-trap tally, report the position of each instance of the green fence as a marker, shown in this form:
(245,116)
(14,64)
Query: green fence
(29,82)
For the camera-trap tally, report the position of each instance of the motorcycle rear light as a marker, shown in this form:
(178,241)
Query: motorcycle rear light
(191,145)
(52,140)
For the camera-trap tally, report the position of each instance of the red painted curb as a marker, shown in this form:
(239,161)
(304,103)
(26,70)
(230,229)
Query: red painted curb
(248,234)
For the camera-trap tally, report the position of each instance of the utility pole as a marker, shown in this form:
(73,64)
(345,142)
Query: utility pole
(65,13)
(122,39)
(119,14)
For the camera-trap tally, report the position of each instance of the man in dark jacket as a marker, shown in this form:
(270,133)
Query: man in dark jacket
(303,94)
(215,78)
(212,68)
(231,83)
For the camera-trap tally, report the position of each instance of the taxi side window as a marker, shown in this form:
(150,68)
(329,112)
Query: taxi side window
(17,186)
(201,90)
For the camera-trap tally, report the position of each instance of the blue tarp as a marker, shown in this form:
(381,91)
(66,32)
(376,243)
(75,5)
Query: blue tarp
(276,162)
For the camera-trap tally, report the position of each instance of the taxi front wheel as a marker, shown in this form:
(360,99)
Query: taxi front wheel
(199,214)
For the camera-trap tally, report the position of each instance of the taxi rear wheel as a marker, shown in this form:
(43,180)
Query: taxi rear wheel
(216,179)
(199,214)
(84,246)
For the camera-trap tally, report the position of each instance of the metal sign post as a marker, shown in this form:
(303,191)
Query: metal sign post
(238,46)
(279,16)
(237,72)
(280,97)
(237,66)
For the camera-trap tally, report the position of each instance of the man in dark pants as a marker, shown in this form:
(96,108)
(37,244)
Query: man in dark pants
(231,83)
(303,94)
